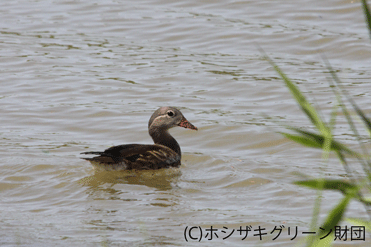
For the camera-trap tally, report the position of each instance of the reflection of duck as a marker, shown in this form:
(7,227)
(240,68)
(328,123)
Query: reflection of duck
(163,154)
(161,180)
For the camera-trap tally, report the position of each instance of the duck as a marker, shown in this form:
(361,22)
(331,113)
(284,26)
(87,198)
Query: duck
(164,153)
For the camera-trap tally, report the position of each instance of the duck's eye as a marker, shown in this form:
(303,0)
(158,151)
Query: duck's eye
(170,113)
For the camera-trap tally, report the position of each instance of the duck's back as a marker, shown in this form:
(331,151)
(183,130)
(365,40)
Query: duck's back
(135,156)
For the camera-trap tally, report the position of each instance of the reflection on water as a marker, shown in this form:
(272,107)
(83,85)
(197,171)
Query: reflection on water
(163,179)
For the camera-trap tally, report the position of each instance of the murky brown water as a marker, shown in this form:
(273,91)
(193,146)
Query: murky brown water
(85,75)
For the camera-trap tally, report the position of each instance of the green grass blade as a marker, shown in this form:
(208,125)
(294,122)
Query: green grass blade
(367,200)
(366,121)
(306,107)
(334,217)
(335,145)
(336,214)
(326,242)
(364,162)
(366,11)
(329,184)
(359,222)
(306,141)
(314,140)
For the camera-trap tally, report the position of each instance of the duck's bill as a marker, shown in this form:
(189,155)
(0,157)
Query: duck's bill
(185,124)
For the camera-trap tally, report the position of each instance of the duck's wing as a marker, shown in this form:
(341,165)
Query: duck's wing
(135,156)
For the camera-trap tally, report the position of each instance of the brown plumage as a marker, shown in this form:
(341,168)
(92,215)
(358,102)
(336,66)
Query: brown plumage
(164,153)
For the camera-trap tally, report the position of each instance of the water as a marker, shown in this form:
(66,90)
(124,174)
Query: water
(85,75)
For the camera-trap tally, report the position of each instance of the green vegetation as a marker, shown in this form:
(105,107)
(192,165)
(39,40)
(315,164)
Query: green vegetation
(355,187)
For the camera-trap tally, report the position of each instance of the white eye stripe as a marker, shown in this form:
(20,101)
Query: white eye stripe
(164,120)
(158,119)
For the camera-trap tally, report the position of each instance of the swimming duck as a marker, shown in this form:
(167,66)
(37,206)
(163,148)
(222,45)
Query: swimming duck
(164,153)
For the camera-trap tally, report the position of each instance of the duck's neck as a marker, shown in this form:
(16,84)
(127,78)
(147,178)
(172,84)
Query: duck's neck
(163,137)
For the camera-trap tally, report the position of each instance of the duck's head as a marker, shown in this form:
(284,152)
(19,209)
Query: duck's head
(168,117)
